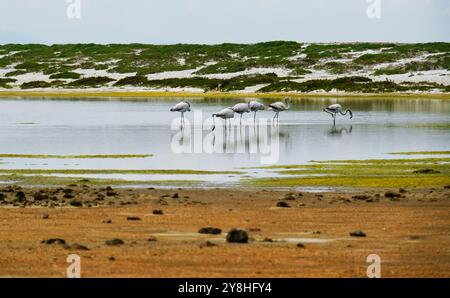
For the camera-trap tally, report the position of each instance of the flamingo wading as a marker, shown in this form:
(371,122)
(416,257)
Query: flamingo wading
(225,114)
(241,108)
(181,107)
(334,109)
(256,106)
(280,106)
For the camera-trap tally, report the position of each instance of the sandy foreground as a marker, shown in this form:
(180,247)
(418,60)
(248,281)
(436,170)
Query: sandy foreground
(411,233)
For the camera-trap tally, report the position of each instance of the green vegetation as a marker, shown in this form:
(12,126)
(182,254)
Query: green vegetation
(65,75)
(15,73)
(35,84)
(42,156)
(60,61)
(33,180)
(90,82)
(236,83)
(350,84)
(4,82)
(387,173)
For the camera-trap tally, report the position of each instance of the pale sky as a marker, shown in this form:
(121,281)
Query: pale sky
(214,21)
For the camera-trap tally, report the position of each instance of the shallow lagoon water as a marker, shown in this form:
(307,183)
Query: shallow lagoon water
(304,133)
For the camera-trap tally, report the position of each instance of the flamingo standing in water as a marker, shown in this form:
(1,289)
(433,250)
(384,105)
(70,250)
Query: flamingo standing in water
(334,109)
(241,108)
(181,107)
(280,106)
(256,106)
(225,114)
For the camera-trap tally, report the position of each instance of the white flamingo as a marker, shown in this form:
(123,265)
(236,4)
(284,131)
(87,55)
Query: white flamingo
(225,114)
(334,109)
(181,107)
(280,106)
(256,106)
(241,108)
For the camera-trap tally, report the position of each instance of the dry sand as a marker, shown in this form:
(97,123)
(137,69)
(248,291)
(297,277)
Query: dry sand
(410,234)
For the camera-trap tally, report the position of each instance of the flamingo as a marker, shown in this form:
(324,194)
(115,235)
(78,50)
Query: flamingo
(256,106)
(225,114)
(334,109)
(241,108)
(280,106)
(181,107)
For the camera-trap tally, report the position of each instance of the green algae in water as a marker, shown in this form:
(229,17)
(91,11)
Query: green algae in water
(427,172)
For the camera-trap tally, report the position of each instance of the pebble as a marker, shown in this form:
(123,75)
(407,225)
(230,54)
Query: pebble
(283,204)
(358,233)
(114,242)
(237,236)
(75,203)
(210,230)
(392,194)
(54,241)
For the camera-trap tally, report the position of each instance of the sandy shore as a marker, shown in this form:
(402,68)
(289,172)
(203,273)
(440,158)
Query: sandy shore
(410,233)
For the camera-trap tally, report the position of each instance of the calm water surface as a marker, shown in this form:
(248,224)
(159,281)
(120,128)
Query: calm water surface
(102,126)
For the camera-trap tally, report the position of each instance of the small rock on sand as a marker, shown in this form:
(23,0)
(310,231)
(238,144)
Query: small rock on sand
(210,230)
(175,196)
(111,193)
(358,233)
(237,236)
(300,245)
(75,203)
(133,218)
(392,195)
(283,204)
(54,241)
(77,246)
(44,215)
(107,221)
(20,196)
(114,242)
(151,239)
(158,212)
(361,197)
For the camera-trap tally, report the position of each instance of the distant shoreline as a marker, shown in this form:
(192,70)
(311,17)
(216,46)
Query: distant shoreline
(138,94)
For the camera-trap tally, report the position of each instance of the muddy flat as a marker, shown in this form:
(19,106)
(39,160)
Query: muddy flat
(308,237)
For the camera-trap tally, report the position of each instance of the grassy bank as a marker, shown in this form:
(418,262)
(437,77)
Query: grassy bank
(377,173)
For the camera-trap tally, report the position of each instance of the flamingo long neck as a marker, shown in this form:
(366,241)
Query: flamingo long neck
(288,104)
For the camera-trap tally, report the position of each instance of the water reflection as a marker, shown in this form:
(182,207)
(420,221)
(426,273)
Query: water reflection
(303,133)
(338,131)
